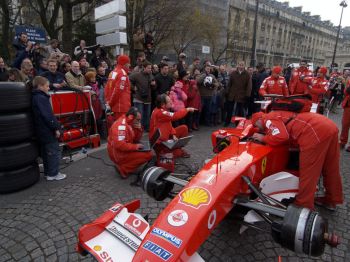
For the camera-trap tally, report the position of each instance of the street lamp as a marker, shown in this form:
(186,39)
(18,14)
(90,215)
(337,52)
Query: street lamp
(343,4)
(253,55)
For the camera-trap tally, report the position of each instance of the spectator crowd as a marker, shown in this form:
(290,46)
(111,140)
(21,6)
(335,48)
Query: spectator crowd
(218,92)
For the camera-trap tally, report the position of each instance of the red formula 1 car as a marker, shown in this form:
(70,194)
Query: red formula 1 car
(246,178)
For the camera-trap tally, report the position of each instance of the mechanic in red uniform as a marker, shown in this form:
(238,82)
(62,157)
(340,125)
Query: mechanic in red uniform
(301,77)
(344,135)
(275,84)
(117,90)
(319,85)
(317,137)
(123,144)
(162,119)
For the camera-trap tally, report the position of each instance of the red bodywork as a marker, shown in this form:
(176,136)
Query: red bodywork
(74,111)
(205,201)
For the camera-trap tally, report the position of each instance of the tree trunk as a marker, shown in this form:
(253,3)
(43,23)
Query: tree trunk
(5,27)
(67,34)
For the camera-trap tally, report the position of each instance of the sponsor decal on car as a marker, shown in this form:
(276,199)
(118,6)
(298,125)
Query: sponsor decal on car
(104,256)
(157,250)
(167,236)
(135,225)
(212,219)
(178,218)
(263,165)
(129,242)
(115,208)
(195,197)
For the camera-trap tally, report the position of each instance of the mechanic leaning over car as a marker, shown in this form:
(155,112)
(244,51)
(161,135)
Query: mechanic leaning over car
(117,91)
(317,138)
(162,119)
(123,144)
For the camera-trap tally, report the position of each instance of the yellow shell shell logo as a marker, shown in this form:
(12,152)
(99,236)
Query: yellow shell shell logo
(97,248)
(195,197)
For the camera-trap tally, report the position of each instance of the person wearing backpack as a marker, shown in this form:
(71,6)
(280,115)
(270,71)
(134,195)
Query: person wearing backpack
(317,138)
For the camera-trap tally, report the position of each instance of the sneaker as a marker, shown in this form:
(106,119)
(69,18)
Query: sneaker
(59,176)
(320,201)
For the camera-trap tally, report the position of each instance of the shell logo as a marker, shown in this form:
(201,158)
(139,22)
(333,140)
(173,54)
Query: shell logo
(195,197)
(97,248)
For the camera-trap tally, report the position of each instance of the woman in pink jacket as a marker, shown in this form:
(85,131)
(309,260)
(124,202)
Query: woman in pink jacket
(178,99)
(178,96)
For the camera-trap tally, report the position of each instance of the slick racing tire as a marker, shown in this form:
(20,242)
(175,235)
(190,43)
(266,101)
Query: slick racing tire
(15,180)
(17,156)
(15,128)
(14,97)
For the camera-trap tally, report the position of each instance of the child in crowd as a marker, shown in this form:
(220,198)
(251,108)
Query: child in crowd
(47,129)
(178,99)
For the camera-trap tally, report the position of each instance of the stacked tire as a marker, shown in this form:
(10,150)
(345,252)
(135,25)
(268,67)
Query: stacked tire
(18,150)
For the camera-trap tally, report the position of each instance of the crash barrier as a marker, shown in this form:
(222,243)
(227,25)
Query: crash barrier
(18,149)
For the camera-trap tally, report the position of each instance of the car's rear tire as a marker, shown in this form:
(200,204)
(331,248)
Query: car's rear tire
(15,128)
(17,156)
(14,97)
(15,180)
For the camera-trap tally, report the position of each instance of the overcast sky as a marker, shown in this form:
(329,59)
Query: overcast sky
(327,9)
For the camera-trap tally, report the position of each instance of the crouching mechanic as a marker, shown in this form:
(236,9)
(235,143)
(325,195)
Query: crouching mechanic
(161,119)
(317,138)
(123,144)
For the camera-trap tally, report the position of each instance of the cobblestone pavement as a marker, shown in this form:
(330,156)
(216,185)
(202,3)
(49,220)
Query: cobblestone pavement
(41,223)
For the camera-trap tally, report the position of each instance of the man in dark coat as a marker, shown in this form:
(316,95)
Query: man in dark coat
(57,79)
(238,92)
(257,79)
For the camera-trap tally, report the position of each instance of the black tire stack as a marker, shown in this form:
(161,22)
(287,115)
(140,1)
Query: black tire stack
(18,150)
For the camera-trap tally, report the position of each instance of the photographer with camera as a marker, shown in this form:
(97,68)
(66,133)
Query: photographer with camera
(207,83)
(142,83)
(23,49)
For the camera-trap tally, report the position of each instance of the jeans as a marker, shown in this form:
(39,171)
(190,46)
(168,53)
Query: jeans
(206,102)
(145,110)
(239,110)
(51,155)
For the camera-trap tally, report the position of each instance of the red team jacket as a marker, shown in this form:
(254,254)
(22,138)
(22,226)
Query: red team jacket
(297,86)
(319,86)
(161,119)
(275,86)
(117,91)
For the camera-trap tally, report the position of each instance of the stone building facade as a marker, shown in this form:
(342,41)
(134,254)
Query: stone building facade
(285,34)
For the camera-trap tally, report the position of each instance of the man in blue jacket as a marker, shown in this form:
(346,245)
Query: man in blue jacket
(47,129)
(57,79)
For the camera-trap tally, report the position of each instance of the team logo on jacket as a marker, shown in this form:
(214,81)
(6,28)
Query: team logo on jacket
(195,197)
(167,236)
(178,218)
